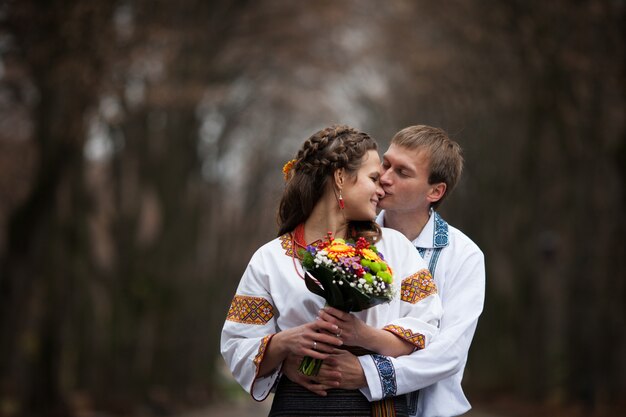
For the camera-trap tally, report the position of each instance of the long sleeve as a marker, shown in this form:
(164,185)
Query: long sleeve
(248,330)
(447,354)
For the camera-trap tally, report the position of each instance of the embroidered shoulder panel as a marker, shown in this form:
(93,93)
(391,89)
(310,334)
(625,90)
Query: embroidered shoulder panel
(287,244)
(417,287)
(416,339)
(387,375)
(250,310)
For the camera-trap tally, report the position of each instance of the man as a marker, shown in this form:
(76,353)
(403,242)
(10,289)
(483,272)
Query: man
(420,168)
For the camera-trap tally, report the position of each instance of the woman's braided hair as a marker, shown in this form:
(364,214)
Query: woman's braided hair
(326,151)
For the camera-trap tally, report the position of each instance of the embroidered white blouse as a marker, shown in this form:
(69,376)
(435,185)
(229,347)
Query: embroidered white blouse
(271,296)
(458,267)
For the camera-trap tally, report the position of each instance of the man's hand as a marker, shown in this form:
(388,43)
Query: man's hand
(348,367)
(319,384)
(341,369)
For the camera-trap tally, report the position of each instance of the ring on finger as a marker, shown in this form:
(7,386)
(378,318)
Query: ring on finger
(339,334)
(314,345)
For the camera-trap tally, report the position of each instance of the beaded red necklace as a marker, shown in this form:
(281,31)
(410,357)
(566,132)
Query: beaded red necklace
(298,242)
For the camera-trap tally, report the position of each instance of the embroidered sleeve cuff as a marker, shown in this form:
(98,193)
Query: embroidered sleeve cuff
(262,386)
(416,339)
(386,375)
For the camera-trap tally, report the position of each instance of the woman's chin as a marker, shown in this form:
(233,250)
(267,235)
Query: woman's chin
(365,217)
(382,204)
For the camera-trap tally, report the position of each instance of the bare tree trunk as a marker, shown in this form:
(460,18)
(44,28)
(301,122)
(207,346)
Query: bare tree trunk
(46,241)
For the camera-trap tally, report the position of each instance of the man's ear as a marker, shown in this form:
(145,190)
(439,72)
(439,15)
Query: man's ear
(339,175)
(436,192)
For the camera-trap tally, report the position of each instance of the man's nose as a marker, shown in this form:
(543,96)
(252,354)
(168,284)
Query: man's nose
(385,178)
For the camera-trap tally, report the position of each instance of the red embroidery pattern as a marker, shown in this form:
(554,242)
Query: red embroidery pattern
(417,287)
(250,310)
(287,243)
(416,339)
(261,353)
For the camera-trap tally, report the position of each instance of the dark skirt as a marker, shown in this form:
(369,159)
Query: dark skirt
(292,399)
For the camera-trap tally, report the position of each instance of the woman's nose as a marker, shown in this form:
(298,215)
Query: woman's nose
(380,192)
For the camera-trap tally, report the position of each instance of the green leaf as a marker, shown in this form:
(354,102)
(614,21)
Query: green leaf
(308,261)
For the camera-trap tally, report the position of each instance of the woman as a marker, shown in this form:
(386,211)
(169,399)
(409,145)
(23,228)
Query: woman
(333,187)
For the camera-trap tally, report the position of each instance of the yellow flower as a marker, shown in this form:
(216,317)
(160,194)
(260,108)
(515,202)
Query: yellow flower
(371,255)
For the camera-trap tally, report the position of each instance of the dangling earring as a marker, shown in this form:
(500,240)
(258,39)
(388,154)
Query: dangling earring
(341,204)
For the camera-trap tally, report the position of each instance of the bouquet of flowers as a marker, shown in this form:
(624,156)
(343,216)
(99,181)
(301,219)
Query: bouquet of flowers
(350,276)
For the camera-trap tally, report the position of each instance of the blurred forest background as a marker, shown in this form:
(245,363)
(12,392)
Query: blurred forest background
(141,146)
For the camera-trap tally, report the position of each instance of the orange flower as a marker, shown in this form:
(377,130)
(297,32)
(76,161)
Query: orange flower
(339,249)
(288,167)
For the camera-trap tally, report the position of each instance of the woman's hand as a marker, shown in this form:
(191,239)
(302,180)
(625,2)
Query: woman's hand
(355,332)
(316,339)
(350,328)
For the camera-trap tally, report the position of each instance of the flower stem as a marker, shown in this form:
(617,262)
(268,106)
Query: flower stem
(310,366)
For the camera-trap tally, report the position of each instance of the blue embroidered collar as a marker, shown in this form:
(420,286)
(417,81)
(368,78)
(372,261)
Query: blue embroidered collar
(440,233)
(435,233)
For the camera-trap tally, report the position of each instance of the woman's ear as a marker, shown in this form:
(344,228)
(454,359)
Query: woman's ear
(338,176)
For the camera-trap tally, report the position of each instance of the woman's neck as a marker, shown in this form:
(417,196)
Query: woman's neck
(325,217)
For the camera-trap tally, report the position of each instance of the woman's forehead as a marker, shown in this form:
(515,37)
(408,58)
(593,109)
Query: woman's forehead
(371,158)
